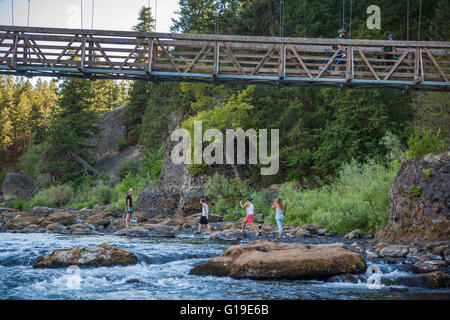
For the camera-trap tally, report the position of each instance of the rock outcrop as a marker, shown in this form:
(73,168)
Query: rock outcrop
(177,190)
(420,201)
(17,186)
(103,255)
(276,260)
(112,127)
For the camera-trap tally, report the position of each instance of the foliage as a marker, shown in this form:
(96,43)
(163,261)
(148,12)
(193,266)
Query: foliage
(121,144)
(152,162)
(357,199)
(58,195)
(415,190)
(126,167)
(29,162)
(426,142)
(104,195)
(225,195)
(75,124)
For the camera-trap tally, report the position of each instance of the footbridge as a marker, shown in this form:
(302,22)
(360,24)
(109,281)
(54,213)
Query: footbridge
(102,54)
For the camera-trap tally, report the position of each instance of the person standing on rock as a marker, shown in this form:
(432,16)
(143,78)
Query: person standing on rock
(204,216)
(249,215)
(279,216)
(128,207)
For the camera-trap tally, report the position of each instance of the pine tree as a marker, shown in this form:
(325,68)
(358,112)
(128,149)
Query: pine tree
(139,90)
(69,133)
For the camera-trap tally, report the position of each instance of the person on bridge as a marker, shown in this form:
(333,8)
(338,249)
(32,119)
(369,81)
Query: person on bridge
(341,54)
(389,56)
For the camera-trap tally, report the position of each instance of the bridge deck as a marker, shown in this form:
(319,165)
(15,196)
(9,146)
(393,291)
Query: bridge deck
(97,54)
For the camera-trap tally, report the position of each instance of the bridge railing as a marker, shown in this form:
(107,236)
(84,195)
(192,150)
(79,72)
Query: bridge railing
(224,59)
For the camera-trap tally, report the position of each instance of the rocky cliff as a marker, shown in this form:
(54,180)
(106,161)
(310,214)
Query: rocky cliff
(420,201)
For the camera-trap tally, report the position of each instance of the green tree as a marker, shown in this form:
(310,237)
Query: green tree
(75,124)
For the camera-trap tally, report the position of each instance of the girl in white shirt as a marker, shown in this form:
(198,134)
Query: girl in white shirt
(249,215)
(204,216)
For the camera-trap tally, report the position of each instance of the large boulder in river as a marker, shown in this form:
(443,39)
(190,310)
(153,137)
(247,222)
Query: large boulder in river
(275,260)
(103,255)
(420,201)
(17,186)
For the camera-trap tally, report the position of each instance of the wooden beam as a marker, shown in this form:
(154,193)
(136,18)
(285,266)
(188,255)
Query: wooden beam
(174,65)
(150,58)
(103,53)
(131,53)
(367,63)
(328,63)
(397,64)
(436,64)
(301,62)
(64,51)
(233,59)
(199,54)
(263,60)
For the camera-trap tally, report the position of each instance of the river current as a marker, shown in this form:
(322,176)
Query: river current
(162,273)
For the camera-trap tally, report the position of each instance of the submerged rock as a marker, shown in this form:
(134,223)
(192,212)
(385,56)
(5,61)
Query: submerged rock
(103,255)
(276,260)
(395,251)
(436,279)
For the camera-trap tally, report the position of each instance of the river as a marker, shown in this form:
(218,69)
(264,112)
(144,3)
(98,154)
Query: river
(162,273)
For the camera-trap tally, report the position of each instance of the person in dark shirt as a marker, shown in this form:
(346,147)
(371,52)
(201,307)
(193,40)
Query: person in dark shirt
(128,207)
(389,56)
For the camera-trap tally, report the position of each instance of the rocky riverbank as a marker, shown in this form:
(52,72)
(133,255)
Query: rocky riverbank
(419,257)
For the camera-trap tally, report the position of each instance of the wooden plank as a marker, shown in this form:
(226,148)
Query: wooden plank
(263,60)
(168,56)
(301,62)
(64,50)
(396,64)
(131,53)
(196,57)
(103,53)
(367,63)
(233,58)
(328,63)
(436,64)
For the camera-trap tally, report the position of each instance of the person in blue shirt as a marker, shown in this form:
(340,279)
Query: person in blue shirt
(128,207)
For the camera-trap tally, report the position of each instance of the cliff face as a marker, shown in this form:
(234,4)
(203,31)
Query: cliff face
(112,126)
(420,201)
(176,191)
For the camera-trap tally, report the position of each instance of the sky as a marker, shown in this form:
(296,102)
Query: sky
(108,14)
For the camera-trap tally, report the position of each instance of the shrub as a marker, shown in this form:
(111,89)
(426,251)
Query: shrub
(19,204)
(424,143)
(104,195)
(29,161)
(121,144)
(129,166)
(226,194)
(358,199)
(58,195)
(152,162)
